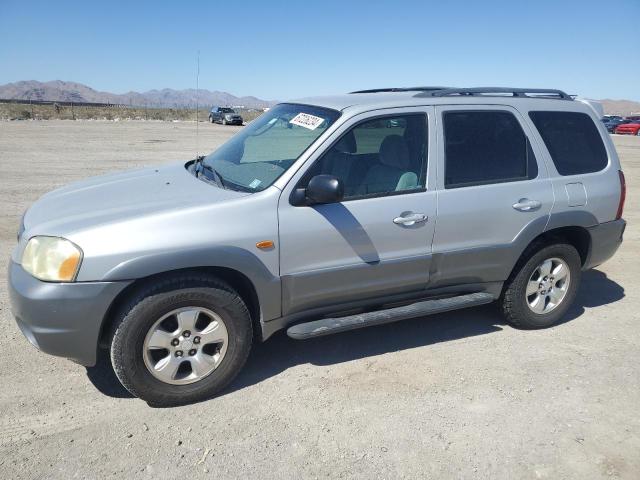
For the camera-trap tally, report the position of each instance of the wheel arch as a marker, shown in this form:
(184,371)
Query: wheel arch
(237,280)
(578,237)
(575,235)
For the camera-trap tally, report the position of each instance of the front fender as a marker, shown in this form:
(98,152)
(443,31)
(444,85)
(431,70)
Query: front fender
(267,286)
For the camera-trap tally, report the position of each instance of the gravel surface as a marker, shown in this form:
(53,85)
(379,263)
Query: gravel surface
(456,395)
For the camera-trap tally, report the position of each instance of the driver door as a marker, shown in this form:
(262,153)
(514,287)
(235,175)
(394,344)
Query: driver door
(377,241)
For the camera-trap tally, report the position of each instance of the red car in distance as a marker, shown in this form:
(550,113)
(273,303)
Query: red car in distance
(630,128)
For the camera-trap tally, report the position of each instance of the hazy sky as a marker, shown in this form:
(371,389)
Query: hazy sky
(283,49)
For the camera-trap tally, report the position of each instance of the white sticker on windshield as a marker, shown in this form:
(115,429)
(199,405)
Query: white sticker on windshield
(255,183)
(307,120)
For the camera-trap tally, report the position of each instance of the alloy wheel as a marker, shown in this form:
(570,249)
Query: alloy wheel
(548,285)
(185,345)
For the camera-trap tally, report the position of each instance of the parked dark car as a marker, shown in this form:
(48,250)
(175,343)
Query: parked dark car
(225,116)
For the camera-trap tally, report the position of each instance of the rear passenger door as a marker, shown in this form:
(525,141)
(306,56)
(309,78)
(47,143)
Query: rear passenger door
(377,241)
(494,193)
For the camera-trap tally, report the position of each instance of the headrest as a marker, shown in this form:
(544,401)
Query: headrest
(347,144)
(394,152)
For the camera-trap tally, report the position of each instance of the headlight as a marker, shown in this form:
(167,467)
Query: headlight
(52,259)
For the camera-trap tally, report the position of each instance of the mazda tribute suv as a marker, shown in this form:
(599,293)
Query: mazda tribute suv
(323,215)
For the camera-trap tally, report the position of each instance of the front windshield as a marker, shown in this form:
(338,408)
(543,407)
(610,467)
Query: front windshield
(262,151)
(227,110)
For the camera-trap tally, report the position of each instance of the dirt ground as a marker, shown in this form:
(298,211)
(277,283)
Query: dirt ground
(457,395)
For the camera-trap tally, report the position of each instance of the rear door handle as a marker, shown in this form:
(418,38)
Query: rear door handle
(526,205)
(410,219)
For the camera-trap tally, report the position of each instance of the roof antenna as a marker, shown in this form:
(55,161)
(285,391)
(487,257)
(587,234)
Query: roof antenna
(197,92)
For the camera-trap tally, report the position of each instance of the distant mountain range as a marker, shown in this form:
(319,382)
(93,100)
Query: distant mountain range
(61,91)
(620,107)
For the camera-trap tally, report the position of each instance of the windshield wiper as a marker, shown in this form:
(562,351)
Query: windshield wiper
(201,167)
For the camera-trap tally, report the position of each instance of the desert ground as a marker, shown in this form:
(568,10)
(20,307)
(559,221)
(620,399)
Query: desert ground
(457,395)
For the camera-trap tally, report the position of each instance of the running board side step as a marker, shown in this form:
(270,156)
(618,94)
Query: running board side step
(328,326)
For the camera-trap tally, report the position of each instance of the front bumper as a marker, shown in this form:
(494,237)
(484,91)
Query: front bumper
(62,319)
(606,238)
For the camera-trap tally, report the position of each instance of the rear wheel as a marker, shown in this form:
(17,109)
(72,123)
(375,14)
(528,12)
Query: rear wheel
(182,340)
(543,287)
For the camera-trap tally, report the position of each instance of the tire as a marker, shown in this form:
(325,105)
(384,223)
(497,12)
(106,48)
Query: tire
(224,121)
(211,119)
(638,133)
(516,303)
(130,352)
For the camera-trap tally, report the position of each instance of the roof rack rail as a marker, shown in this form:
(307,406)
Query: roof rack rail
(400,89)
(516,92)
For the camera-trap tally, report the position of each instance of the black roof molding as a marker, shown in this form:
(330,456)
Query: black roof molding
(515,92)
(401,89)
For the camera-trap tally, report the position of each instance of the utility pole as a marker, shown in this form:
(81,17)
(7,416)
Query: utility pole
(197,91)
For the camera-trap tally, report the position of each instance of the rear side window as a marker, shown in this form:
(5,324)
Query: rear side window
(483,147)
(573,141)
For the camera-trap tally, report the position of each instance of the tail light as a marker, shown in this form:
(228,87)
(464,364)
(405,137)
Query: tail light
(623,195)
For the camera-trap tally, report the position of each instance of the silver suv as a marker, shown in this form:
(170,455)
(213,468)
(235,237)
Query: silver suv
(323,215)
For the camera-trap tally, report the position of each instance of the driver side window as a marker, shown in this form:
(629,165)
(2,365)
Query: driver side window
(382,156)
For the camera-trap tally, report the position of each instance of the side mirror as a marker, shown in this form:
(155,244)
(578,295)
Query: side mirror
(321,189)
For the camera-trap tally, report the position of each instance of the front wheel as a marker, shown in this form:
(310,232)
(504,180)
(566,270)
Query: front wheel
(182,340)
(224,121)
(541,290)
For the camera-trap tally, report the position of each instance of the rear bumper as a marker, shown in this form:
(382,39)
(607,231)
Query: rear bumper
(605,241)
(62,319)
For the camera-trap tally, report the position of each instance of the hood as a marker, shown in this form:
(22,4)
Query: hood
(121,196)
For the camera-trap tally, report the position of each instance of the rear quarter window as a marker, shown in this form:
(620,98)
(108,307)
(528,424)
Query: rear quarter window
(573,141)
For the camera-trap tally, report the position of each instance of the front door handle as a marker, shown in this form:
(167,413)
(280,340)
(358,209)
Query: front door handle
(410,219)
(526,205)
